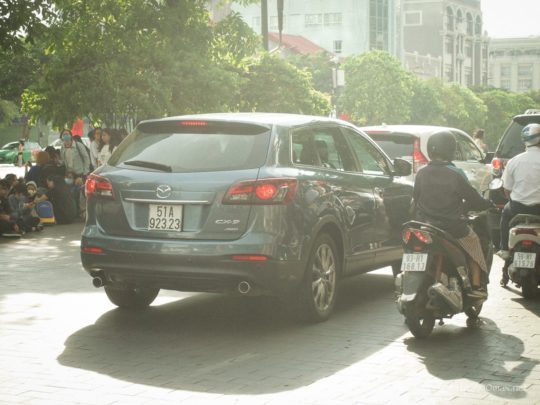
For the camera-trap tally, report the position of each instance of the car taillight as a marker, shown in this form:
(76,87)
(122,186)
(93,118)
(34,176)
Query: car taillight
(422,236)
(266,191)
(526,243)
(97,186)
(419,159)
(194,123)
(497,166)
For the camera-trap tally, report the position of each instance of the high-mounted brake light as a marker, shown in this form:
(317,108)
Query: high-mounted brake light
(419,159)
(265,191)
(98,186)
(250,258)
(194,123)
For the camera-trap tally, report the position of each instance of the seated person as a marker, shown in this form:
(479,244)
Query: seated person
(21,209)
(8,227)
(59,194)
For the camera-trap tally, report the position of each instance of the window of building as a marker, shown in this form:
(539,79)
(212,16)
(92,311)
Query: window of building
(459,19)
(449,45)
(313,19)
(506,70)
(524,84)
(332,19)
(478,26)
(468,50)
(449,19)
(505,84)
(378,24)
(413,18)
(338,46)
(256,23)
(525,69)
(470,24)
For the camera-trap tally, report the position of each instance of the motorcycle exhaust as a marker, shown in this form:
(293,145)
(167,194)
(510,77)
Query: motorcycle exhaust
(244,287)
(452,298)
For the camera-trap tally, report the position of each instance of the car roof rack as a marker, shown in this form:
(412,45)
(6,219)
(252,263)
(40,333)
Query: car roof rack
(532,111)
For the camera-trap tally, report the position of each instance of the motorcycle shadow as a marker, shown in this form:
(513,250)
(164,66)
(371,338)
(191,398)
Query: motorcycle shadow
(478,354)
(532,306)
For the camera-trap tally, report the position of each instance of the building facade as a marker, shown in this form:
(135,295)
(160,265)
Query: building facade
(445,39)
(344,28)
(515,64)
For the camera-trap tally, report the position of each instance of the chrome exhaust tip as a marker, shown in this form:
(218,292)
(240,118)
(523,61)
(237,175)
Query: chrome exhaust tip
(98,282)
(244,287)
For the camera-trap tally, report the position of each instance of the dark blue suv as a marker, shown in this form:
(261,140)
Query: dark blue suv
(253,204)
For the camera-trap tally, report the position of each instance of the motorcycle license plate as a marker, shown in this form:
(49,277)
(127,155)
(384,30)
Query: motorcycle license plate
(414,262)
(524,260)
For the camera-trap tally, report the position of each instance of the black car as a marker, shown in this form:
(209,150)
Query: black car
(251,204)
(509,146)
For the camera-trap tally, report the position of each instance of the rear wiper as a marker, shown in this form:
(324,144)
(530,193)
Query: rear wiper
(150,165)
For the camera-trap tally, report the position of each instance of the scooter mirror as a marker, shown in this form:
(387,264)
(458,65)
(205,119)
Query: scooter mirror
(496,184)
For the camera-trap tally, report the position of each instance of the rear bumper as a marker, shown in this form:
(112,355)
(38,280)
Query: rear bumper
(205,266)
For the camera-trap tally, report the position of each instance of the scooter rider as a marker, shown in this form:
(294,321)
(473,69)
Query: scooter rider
(521,182)
(442,197)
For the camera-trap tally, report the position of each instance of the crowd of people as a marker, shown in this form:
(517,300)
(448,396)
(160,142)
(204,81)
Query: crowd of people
(52,189)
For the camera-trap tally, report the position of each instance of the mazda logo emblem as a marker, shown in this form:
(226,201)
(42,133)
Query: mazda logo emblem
(163,191)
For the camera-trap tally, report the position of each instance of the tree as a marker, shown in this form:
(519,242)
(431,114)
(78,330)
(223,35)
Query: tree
(319,66)
(501,107)
(427,107)
(377,89)
(274,85)
(462,108)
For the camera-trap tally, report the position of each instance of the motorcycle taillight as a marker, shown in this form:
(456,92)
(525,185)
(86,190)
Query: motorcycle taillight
(422,236)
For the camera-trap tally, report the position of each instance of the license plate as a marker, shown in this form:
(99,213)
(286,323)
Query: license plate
(414,262)
(524,260)
(164,217)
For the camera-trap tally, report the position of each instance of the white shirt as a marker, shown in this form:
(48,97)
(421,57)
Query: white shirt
(94,146)
(104,155)
(522,177)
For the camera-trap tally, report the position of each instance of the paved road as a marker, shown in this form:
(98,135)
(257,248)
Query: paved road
(62,342)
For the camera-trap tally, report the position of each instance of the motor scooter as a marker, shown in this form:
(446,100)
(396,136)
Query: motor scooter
(434,283)
(523,264)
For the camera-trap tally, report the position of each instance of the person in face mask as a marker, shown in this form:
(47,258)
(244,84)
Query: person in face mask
(74,155)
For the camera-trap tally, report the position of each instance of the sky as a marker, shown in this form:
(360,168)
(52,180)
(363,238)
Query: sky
(511,18)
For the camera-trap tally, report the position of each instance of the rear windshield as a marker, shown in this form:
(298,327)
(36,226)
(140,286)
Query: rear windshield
(511,143)
(194,149)
(395,146)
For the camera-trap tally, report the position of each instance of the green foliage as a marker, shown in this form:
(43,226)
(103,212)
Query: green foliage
(462,108)
(8,111)
(427,107)
(319,66)
(502,106)
(274,85)
(377,89)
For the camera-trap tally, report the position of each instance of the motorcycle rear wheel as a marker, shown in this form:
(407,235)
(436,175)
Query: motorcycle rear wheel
(529,287)
(420,326)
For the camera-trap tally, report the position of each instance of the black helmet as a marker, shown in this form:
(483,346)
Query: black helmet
(442,145)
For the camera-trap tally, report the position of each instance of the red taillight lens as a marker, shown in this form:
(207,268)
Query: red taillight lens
(250,258)
(98,186)
(497,166)
(422,236)
(267,191)
(419,159)
(527,243)
(407,235)
(91,249)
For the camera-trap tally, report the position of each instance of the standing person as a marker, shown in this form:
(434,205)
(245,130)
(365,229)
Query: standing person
(8,227)
(441,195)
(478,137)
(74,155)
(521,184)
(108,144)
(95,140)
(60,196)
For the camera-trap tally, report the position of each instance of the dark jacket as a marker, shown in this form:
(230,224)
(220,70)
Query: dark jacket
(443,196)
(63,204)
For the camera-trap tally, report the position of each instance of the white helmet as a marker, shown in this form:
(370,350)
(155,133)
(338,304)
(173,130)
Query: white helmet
(530,135)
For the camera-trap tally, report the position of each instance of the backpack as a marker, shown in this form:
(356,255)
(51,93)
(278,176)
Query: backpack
(45,212)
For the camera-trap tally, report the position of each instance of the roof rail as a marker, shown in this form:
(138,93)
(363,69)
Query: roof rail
(532,111)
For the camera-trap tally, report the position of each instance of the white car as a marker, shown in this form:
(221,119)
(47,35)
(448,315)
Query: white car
(409,142)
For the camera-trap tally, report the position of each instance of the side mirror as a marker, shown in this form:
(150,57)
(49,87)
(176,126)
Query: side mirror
(488,157)
(495,184)
(402,167)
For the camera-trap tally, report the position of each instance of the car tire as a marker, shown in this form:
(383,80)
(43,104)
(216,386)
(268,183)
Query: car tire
(318,291)
(131,298)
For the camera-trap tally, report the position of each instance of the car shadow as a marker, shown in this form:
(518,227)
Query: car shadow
(531,305)
(233,345)
(479,354)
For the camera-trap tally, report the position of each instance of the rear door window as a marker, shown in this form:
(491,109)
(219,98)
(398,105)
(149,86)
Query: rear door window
(511,143)
(197,147)
(321,147)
